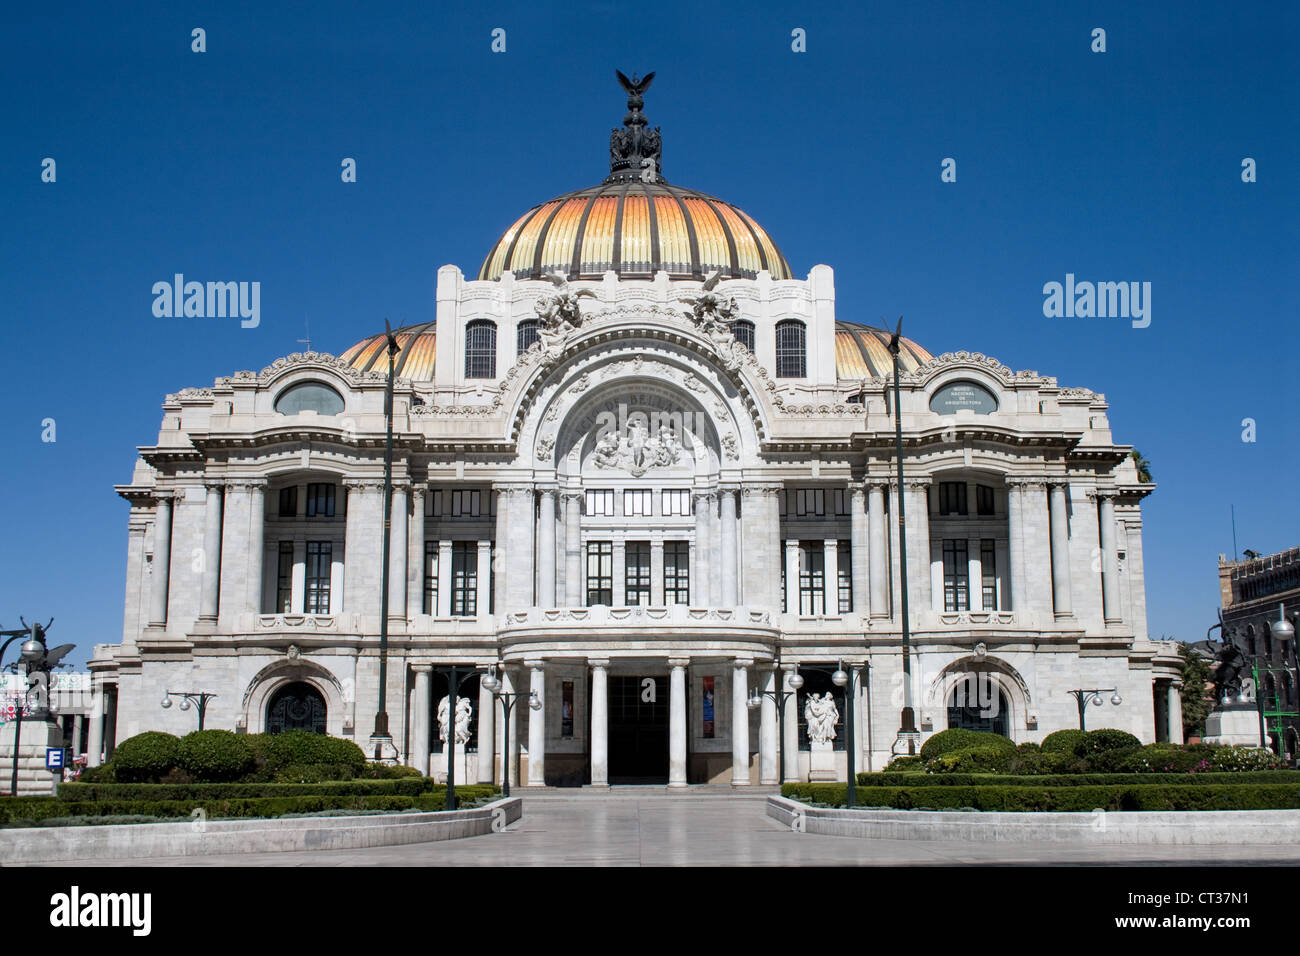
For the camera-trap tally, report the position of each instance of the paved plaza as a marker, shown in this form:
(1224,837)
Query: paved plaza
(646,826)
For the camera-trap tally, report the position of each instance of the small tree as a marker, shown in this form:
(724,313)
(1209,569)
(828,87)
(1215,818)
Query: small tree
(1195,692)
(1143,466)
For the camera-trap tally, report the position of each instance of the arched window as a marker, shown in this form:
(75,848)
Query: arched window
(526,335)
(977,703)
(791,349)
(309,397)
(481,349)
(1268,642)
(296,706)
(1250,640)
(743,330)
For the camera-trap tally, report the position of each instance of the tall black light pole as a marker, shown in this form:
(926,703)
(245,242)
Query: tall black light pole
(381,736)
(907,728)
(508,700)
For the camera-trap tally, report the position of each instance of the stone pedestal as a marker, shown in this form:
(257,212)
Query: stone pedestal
(821,764)
(1233,723)
(461,767)
(33,779)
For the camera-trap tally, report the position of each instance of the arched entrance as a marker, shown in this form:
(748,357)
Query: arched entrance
(296,706)
(978,703)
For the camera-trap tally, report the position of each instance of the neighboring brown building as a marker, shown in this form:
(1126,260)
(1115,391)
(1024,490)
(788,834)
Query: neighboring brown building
(1252,592)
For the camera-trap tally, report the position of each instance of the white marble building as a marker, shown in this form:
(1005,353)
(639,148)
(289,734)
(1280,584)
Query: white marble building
(643,501)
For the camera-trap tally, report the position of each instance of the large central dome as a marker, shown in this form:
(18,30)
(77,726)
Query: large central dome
(634,223)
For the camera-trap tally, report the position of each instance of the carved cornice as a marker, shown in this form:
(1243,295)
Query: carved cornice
(1029,482)
(514,488)
(246,485)
(760,489)
(311,359)
(364,485)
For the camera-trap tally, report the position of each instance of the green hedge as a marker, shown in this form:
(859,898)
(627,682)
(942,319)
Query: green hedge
(1063,741)
(214,755)
(33,810)
(1145,796)
(891,779)
(92,792)
(145,757)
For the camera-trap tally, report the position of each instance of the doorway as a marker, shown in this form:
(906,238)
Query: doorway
(638,729)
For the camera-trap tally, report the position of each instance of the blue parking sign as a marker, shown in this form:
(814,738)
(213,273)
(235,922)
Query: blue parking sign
(53,758)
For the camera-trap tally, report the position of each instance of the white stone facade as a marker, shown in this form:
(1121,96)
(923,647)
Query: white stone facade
(1053,599)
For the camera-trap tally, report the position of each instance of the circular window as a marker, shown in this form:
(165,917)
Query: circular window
(309,397)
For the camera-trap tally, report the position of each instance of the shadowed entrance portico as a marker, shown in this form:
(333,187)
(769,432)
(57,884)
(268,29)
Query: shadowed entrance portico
(638,729)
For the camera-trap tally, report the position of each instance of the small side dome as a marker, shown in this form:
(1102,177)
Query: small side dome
(416,351)
(862,352)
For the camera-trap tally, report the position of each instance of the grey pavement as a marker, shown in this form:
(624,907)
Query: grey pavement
(648,826)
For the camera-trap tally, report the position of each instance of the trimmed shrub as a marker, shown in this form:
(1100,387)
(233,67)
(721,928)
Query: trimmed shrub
(892,779)
(214,756)
(88,793)
(313,773)
(946,741)
(1244,759)
(1028,748)
(1100,741)
(1058,799)
(981,759)
(907,764)
(1037,762)
(1063,741)
(383,771)
(145,757)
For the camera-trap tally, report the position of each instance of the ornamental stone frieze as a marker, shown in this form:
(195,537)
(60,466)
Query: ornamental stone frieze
(364,485)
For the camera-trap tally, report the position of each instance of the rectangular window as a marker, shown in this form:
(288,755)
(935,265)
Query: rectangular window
(844,565)
(320,501)
(431,577)
(464,578)
(636,574)
(983,500)
(638,502)
(989,574)
(956,575)
(600,572)
(952,498)
(284,580)
(842,498)
(677,501)
(812,578)
(320,556)
(677,572)
(600,501)
(806,502)
(289,501)
(458,503)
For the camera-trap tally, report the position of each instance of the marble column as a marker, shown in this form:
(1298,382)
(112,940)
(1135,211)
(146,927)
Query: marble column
(162,550)
(677,724)
(730,543)
(211,552)
(791,576)
(1060,537)
(546,549)
(486,733)
(790,742)
(767,731)
(858,547)
(420,726)
(1111,605)
(918,546)
(257,545)
(878,550)
(78,724)
(702,573)
(831,576)
(740,722)
(1175,711)
(1016,547)
(95,743)
(297,579)
(537,727)
(415,555)
(484,580)
(600,724)
(397,551)
(573,596)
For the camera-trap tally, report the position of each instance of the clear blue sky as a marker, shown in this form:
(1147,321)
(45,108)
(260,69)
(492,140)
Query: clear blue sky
(225,165)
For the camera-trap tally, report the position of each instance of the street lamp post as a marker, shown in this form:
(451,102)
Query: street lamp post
(197,698)
(1284,631)
(508,701)
(1083,697)
(454,680)
(381,737)
(34,658)
(779,697)
(907,725)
